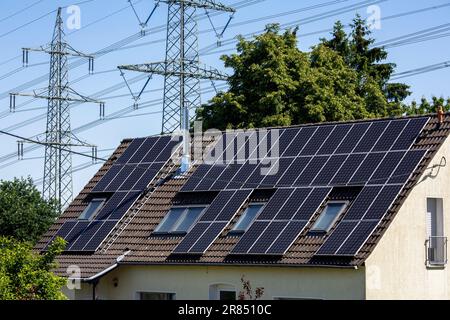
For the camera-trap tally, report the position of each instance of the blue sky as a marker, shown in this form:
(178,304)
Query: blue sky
(105,22)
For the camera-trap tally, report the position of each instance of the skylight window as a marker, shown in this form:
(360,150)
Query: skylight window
(92,209)
(329,216)
(180,220)
(247,218)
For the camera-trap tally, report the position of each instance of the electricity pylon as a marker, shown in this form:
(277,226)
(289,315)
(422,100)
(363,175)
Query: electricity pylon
(58,138)
(181,69)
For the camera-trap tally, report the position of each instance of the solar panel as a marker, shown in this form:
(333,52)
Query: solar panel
(371,136)
(300,141)
(287,238)
(100,236)
(357,238)
(208,237)
(311,171)
(409,135)
(115,183)
(156,149)
(292,173)
(211,177)
(65,229)
(235,203)
(107,178)
(390,135)
(135,175)
(383,202)
(312,203)
(348,169)
(124,206)
(242,175)
(225,177)
(365,171)
(196,178)
(352,139)
(191,238)
(362,203)
(407,166)
(287,139)
(337,238)
(148,176)
(386,167)
(293,204)
(86,236)
(335,139)
(111,205)
(275,203)
(76,231)
(249,238)
(329,170)
(317,140)
(144,148)
(217,205)
(129,152)
(268,236)
(278,168)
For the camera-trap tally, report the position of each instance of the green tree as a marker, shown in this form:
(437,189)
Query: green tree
(275,84)
(426,107)
(24,215)
(25,275)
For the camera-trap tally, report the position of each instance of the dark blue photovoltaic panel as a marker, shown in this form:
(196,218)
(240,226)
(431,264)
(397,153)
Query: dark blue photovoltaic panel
(358,237)
(287,139)
(356,133)
(335,139)
(226,176)
(383,202)
(120,178)
(390,135)
(124,206)
(410,134)
(217,205)
(362,203)
(237,200)
(312,203)
(148,176)
(129,152)
(407,166)
(130,181)
(144,148)
(198,175)
(287,238)
(337,238)
(210,235)
(299,142)
(168,150)
(191,238)
(311,171)
(294,171)
(107,178)
(211,177)
(386,167)
(276,172)
(317,140)
(76,232)
(100,236)
(65,229)
(275,203)
(86,236)
(291,206)
(366,169)
(111,205)
(371,137)
(348,169)
(272,232)
(329,170)
(157,148)
(249,238)
(242,175)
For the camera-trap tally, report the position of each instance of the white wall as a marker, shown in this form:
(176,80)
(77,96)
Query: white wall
(396,269)
(193,282)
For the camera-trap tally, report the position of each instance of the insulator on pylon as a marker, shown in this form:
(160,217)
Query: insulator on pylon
(25,57)
(91,65)
(20,150)
(102,110)
(12,103)
(136,106)
(94,155)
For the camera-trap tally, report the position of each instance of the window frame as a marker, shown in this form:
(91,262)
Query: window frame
(94,214)
(180,220)
(345,203)
(234,232)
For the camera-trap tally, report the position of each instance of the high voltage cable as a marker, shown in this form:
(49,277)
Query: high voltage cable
(21,11)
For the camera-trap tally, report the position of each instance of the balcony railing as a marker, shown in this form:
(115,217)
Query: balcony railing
(436,251)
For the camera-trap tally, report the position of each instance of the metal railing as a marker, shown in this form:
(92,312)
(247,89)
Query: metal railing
(436,251)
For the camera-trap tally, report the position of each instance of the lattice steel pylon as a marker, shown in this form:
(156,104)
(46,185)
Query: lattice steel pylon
(58,138)
(181,69)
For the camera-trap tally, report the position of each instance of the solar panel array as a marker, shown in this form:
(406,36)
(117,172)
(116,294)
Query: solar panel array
(307,162)
(213,222)
(129,176)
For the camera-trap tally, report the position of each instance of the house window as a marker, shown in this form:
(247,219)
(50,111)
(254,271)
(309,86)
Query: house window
(436,242)
(156,296)
(180,220)
(247,218)
(329,216)
(92,209)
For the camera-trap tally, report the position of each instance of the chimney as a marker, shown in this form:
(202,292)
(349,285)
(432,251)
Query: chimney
(440,114)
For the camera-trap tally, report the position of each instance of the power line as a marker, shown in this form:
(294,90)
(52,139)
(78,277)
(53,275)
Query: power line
(21,11)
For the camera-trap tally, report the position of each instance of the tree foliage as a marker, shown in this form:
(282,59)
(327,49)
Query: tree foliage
(426,107)
(24,215)
(25,275)
(274,83)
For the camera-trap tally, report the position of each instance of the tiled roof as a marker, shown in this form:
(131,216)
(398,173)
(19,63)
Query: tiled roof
(144,249)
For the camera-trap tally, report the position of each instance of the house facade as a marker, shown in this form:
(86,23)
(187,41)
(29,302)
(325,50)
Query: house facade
(355,210)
